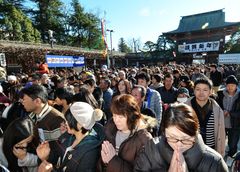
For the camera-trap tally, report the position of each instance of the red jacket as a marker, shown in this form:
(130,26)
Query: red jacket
(43,68)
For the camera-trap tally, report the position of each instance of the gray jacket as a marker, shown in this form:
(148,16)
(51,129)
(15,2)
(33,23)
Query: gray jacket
(219,127)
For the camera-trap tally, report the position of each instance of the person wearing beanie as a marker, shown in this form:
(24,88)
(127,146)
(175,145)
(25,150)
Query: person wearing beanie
(187,83)
(231,79)
(183,95)
(81,150)
(229,100)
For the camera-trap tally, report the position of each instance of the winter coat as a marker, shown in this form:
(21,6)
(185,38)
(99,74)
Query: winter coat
(84,157)
(234,110)
(47,127)
(235,114)
(157,156)
(219,127)
(128,151)
(154,102)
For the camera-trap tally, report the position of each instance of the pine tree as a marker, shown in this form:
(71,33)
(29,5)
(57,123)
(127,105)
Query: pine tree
(85,28)
(15,25)
(48,16)
(123,47)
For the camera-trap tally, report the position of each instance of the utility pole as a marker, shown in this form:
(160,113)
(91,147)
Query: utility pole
(110,31)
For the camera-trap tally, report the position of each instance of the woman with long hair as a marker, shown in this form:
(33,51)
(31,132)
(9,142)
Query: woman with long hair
(85,95)
(16,145)
(123,87)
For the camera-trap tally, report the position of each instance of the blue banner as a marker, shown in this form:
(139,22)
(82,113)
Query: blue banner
(64,61)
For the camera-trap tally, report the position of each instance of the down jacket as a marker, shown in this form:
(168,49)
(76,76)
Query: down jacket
(157,157)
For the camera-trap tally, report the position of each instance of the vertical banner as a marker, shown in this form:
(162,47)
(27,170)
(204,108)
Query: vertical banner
(104,38)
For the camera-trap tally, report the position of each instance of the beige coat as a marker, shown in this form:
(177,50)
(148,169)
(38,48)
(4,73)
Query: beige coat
(219,127)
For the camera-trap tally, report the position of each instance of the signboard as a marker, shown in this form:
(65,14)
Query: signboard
(199,47)
(64,61)
(229,59)
(3,60)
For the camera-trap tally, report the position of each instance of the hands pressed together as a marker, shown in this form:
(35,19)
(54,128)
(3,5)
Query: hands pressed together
(107,152)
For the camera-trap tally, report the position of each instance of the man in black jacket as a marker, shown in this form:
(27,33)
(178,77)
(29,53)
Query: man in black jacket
(168,92)
(216,77)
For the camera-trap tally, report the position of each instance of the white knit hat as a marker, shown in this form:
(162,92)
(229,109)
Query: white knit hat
(12,78)
(85,115)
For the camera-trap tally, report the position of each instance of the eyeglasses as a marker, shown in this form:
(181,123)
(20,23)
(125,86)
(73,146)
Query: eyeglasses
(183,141)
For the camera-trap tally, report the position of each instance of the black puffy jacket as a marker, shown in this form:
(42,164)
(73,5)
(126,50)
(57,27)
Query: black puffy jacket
(157,157)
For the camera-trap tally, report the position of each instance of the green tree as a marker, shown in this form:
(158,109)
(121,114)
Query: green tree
(93,32)
(77,21)
(122,46)
(16,3)
(15,25)
(149,46)
(85,28)
(49,16)
(30,34)
(164,43)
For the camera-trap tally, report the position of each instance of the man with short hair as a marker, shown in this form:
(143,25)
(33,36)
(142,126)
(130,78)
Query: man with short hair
(210,115)
(167,91)
(104,85)
(139,93)
(153,97)
(48,121)
(197,74)
(216,77)
(176,75)
(229,100)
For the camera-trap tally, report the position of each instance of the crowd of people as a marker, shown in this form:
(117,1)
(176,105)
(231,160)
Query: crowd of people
(159,118)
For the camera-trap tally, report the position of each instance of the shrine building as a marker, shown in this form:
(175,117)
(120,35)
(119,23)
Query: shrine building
(201,37)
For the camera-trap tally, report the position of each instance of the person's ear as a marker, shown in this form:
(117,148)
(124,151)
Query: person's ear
(38,101)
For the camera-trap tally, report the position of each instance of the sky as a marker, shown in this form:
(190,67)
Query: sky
(145,20)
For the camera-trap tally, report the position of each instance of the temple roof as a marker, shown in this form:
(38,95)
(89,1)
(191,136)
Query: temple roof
(207,20)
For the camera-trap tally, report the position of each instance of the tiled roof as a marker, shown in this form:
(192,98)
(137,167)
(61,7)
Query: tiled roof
(208,20)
